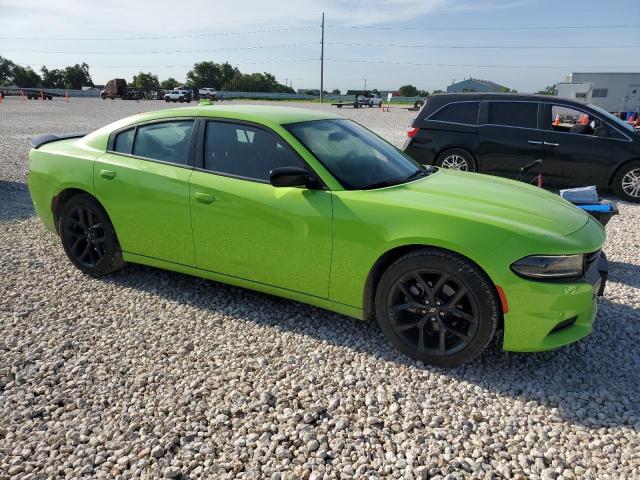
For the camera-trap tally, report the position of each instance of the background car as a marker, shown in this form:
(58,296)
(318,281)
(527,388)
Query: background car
(178,96)
(500,133)
(207,92)
(313,207)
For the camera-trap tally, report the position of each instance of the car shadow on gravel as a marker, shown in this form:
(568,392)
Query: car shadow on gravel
(594,382)
(15,201)
(625,273)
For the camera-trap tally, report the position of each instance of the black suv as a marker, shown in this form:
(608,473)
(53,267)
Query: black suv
(498,134)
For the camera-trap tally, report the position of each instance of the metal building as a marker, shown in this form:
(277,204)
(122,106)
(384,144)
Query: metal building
(475,85)
(614,92)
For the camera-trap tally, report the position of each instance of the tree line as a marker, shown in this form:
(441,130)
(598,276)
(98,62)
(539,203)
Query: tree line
(221,76)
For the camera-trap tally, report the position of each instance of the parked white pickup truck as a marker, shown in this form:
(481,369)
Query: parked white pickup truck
(208,92)
(370,100)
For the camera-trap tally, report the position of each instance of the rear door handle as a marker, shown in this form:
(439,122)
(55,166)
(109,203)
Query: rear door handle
(204,198)
(534,142)
(551,144)
(108,174)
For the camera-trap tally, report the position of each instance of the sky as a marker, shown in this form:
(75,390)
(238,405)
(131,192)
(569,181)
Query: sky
(522,44)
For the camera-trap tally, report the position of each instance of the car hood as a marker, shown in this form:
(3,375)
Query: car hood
(513,205)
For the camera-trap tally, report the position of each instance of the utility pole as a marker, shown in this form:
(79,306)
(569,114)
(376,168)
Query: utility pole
(365,83)
(322,60)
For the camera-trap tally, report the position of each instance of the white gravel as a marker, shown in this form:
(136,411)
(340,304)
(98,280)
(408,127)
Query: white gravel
(149,374)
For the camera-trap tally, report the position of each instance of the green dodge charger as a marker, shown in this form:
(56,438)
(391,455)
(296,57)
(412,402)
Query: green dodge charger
(313,207)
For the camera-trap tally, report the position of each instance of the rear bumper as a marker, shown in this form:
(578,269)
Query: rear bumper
(548,315)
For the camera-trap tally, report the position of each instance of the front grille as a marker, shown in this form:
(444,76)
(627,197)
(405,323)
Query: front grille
(590,259)
(564,324)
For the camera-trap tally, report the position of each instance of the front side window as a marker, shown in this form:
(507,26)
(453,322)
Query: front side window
(245,151)
(513,114)
(462,112)
(356,157)
(166,141)
(124,141)
(570,120)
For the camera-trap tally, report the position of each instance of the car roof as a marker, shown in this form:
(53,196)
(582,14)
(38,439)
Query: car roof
(263,114)
(438,100)
(256,113)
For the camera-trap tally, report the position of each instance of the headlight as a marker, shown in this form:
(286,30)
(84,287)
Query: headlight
(550,266)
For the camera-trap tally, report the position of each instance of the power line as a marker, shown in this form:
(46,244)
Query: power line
(501,47)
(162,37)
(150,52)
(296,60)
(415,64)
(545,27)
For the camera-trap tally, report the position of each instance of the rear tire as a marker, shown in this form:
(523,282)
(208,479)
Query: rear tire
(626,182)
(88,236)
(437,307)
(456,159)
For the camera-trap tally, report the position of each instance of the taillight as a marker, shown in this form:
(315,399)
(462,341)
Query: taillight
(412,132)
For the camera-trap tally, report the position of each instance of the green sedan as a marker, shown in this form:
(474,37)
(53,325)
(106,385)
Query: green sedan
(315,208)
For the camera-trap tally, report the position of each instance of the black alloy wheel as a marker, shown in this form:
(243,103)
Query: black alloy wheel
(432,311)
(88,237)
(437,307)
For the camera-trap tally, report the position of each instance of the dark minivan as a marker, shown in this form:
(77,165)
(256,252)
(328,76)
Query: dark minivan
(498,134)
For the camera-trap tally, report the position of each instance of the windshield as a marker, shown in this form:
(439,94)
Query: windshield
(358,158)
(613,118)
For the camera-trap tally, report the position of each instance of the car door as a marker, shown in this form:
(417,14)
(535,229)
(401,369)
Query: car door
(580,148)
(245,227)
(508,136)
(143,183)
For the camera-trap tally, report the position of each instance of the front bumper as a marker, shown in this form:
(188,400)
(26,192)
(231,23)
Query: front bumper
(547,315)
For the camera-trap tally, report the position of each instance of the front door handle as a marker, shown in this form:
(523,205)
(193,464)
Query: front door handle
(204,198)
(551,144)
(108,174)
(534,142)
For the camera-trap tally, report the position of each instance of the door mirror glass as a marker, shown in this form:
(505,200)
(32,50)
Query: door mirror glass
(289,177)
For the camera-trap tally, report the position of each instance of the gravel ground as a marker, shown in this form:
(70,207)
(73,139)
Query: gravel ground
(144,374)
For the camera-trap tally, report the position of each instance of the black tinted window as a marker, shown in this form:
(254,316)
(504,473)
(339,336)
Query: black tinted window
(124,141)
(166,141)
(244,151)
(464,112)
(513,114)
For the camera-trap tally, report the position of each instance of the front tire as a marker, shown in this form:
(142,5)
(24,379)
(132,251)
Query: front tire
(88,237)
(456,159)
(626,182)
(437,307)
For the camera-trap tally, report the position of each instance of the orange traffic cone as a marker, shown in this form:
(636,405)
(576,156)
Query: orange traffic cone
(1,97)
(556,121)
(584,120)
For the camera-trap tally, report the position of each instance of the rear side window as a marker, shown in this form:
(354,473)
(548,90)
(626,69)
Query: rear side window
(245,151)
(166,141)
(124,141)
(462,112)
(513,114)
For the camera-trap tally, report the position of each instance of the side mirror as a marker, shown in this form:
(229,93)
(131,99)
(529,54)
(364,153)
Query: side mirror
(289,177)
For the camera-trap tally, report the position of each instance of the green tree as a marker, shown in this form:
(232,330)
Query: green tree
(422,93)
(437,91)
(52,78)
(550,90)
(6,71)
(77,76)
(26,77)
(335,91)
(146,81)
(169,84)
(408,91)
(376,91)
(256,82)
(210,74)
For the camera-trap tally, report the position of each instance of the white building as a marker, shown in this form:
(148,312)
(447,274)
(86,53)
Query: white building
(614,92)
